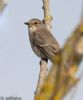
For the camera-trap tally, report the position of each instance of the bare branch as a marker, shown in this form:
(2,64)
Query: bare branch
(47,15)
(42,75)
(43,65)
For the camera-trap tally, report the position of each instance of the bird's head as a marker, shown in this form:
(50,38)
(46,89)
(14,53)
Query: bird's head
(34,24)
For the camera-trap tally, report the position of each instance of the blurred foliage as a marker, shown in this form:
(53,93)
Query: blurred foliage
(2,5)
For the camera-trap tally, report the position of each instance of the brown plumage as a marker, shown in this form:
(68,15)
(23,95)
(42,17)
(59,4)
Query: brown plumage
(42,41)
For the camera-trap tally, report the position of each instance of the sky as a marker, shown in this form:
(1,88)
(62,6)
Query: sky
(19,66)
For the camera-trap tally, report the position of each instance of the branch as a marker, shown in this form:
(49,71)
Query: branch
(71,59)
(47,16)
(42,76)
(43,65)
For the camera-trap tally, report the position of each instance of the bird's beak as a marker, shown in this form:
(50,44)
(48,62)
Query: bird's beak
(26,23)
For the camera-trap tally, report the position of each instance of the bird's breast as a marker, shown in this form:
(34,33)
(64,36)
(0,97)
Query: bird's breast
(32,29)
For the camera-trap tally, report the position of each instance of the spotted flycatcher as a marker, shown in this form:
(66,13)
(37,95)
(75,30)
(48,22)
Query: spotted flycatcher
(42,41)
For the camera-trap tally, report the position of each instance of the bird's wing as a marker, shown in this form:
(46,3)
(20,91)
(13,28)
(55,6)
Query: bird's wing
(45,41)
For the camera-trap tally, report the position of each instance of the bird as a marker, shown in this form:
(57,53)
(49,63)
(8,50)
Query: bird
(42,41)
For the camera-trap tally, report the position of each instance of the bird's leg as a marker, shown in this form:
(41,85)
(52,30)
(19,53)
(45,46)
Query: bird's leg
(42,75)
(46,60)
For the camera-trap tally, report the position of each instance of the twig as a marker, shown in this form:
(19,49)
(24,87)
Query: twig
(43,65)
(47,15)
(42,75)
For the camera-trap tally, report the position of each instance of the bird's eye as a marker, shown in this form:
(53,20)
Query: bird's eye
(35,23)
